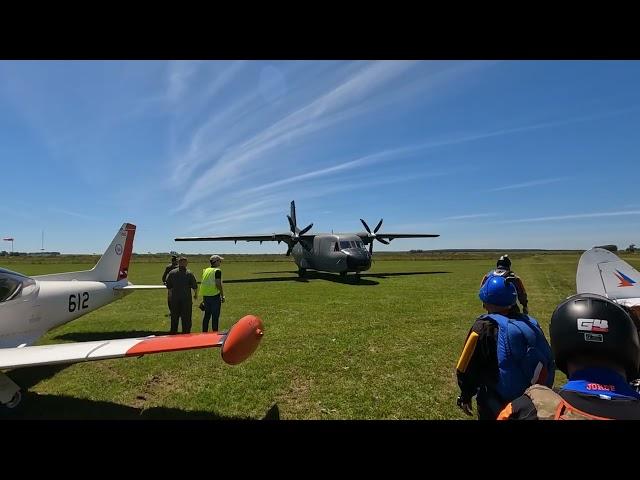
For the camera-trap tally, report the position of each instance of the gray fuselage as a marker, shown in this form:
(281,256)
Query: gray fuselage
(335,253)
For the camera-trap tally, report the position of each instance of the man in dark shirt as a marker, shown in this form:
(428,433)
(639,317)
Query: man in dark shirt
(180,282)
(173,265)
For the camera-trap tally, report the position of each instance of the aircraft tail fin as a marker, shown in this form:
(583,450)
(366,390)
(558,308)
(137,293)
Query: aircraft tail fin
(601,271)
(112,266)
(114,263)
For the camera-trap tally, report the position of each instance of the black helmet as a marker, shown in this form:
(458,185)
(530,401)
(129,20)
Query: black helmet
(504,262)
(591,324)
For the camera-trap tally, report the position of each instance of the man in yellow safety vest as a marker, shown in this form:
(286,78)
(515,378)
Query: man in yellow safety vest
(212,293)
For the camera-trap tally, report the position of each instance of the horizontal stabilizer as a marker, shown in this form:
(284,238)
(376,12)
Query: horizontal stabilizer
(142,287)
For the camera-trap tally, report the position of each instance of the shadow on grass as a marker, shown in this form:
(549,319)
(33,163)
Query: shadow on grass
(350,279)
(62,407)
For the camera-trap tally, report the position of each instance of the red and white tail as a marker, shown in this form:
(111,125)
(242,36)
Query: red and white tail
(112,266)
(114,263)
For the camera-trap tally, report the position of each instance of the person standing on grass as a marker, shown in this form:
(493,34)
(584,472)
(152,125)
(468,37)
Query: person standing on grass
(504,353)
(503,269)
(211,289)
(180,282)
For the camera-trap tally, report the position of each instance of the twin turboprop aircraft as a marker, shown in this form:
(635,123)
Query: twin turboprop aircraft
(31,306)
(324,252)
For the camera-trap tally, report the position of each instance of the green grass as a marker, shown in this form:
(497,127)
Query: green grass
(382,349)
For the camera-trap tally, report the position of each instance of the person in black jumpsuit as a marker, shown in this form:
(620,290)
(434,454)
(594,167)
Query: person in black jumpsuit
(173,265)
(180,282)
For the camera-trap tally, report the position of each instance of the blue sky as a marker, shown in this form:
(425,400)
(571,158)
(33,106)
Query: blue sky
(510,154)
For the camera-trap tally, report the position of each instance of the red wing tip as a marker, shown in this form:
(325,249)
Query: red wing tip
(243,339)
(172,343)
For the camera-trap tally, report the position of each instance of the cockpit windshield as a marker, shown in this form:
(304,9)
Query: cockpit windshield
(12,284)
(350,244)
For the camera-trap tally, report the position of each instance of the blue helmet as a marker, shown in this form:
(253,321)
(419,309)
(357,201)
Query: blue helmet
(498,291)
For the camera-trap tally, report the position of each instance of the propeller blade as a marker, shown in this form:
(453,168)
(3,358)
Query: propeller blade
(366,227)
(305,230)
(293,214)
(305,246)
(371,248)
(375,230)
(289,250)
(382,241)
(292,224)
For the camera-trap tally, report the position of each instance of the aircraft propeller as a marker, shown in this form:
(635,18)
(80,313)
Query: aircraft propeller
(372,236)
(296,233)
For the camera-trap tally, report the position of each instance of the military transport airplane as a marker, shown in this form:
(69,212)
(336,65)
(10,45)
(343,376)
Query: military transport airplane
(324,252)
(604,273)
(31,306)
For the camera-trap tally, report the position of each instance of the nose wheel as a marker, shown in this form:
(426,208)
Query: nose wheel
(15,401)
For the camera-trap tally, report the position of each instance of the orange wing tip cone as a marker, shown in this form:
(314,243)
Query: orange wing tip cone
(242,340)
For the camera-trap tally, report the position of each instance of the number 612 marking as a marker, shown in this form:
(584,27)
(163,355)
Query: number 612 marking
(79,301)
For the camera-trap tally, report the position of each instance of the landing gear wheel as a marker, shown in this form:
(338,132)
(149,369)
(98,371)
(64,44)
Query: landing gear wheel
(15,401)
(343,274)
(302,272)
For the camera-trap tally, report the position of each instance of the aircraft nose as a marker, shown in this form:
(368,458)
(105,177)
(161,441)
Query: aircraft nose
(358,262)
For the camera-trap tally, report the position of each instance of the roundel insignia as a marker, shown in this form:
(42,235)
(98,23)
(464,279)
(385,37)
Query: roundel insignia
(119,249)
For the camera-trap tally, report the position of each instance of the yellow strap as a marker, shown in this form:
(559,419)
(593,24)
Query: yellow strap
(467,352)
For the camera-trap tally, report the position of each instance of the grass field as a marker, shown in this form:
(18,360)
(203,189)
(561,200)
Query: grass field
(385,348)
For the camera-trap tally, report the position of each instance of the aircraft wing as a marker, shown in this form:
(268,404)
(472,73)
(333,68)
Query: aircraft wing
(142,287)
(601,271)
(390,236)
(274,237)
(237,345)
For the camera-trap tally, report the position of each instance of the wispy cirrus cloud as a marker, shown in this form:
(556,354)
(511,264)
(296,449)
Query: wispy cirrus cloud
(533,183)
(326,110)
(470,216)
(72,214)
(16,213)
(180,73)
(393,154)
(576,216)
(366,160)
(278,201)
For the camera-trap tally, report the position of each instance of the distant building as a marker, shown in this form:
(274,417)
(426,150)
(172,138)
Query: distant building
(43,254)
